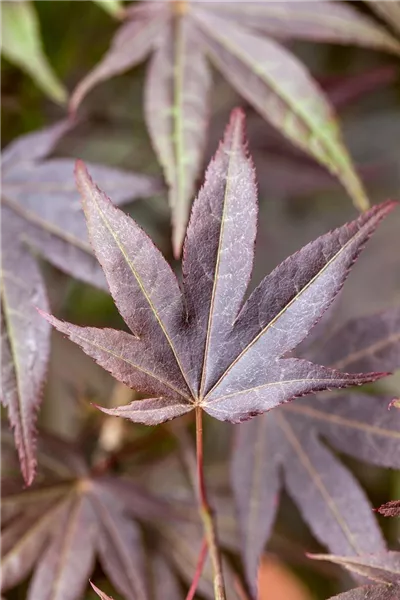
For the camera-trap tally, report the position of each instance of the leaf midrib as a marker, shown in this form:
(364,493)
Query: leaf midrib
(315,477)
(367,351)
(342,421)
(48,227)
(25,433)
(228,183)
(316,129)
(111,529)
(143,290)
(292,301)
(135,366)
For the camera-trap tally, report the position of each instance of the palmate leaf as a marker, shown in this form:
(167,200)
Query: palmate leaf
(202,348)
(40,210)
(180,34)
(59,527)
(330,499)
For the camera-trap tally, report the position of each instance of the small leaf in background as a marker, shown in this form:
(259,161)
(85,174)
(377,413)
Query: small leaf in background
(289,441)
(74,516)
(390,509)
(275,83)
(388,11)
(114,7)
(204,347)
(41,213)
(22,45)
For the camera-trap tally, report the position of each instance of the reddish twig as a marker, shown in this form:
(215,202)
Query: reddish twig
(199,570)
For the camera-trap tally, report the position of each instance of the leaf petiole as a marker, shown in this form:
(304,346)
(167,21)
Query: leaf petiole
(206,513)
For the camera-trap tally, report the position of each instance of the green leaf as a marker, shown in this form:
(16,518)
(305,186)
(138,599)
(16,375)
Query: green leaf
(283,92)
(113,7)
(176,104)
(22,45)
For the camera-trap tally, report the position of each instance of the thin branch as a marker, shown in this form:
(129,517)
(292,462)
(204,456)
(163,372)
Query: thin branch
(199,569)
(207,515)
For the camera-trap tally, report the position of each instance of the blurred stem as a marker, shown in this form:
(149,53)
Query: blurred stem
(206,514)
(199,569)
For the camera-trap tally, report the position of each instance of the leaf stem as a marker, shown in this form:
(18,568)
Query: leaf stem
(206,514)
(199,570)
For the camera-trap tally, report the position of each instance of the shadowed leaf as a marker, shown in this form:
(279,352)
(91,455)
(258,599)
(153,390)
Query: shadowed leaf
(365,343)
(371,592)
(382,568)
(56,528)
(329,497)
(41,212)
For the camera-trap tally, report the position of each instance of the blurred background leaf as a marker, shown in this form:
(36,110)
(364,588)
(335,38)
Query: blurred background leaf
(22,45)
(113,7)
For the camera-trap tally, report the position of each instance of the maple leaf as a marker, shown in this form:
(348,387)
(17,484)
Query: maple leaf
(59,527)
(329,497)
(203,348)
(40,211)
(181,35)
(390,509)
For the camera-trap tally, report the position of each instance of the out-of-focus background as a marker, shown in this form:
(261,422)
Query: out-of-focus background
(298,201)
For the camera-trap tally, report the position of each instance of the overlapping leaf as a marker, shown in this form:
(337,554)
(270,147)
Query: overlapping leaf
(371,592)
(41,211)
(285,171)
(58,529)
(329,497)
(383,568)
(202,348)
(180,34)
